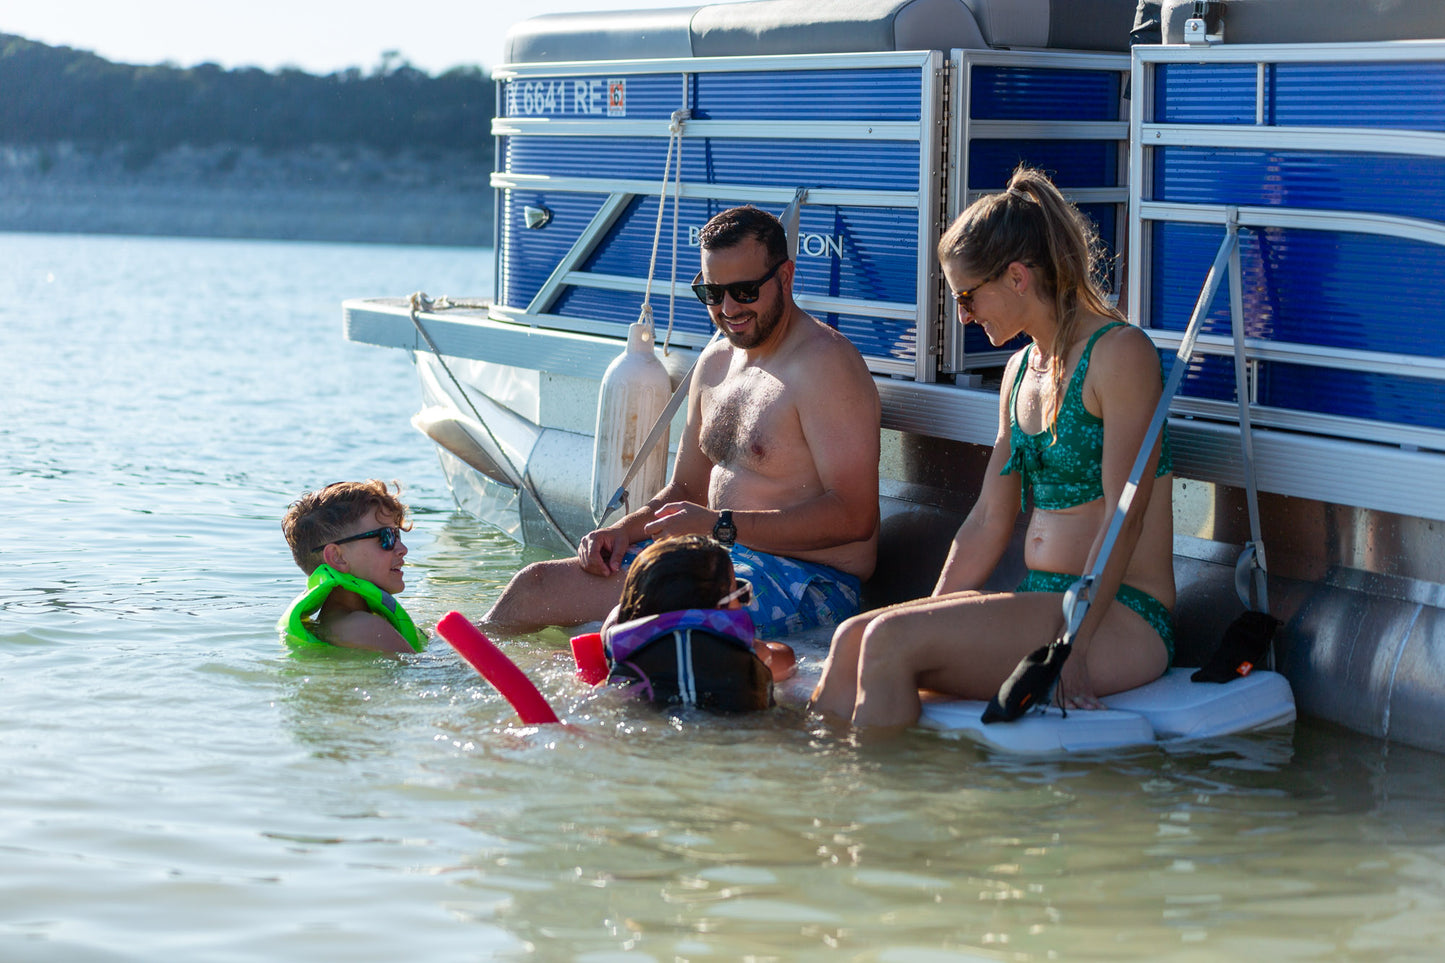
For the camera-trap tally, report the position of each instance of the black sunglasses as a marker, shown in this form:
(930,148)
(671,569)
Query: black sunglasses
(965,298)
(388,537)
(743,292)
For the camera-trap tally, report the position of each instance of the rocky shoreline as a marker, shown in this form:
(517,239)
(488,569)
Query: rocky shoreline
(318,194)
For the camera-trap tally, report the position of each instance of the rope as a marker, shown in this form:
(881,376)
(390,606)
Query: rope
(675,128)
(419,303)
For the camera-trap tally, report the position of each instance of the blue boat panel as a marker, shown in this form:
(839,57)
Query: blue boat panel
(841,165)
(1354,394)
(1320,180)
(875,338)
(1390,399)
(1331,289)
(1105,220)
(1208,377)
(871,254)
(1204,93)
(849,253)
(635,97)
(877,94)
(529,256)
(852,93)
(623,307)
(1071,163)
(976,342)
(1314,288)
(1038,93)
(627,248)
(1404,95)
(854,253)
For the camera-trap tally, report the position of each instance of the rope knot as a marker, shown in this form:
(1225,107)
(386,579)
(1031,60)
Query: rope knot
(679,118)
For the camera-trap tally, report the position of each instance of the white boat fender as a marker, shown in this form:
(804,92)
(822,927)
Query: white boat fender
(634,392)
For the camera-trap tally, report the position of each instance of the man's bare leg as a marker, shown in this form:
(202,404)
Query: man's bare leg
(556,592)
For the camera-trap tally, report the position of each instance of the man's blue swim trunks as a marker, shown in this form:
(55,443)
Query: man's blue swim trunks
(789,595)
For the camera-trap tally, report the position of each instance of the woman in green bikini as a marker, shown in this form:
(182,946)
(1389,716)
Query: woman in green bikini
(1076,404)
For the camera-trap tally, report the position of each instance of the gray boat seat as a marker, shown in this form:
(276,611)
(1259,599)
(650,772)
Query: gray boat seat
(1310,21)
(617,35)
(759,27)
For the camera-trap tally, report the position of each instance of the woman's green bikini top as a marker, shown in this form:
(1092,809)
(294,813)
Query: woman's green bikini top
(1064,468)
(297,624)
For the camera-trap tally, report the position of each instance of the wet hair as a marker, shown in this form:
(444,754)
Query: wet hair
(1030,222)
(738,224)
(318,518)
(682,572)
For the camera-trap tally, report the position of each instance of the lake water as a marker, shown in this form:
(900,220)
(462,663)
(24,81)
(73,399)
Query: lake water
(175,787)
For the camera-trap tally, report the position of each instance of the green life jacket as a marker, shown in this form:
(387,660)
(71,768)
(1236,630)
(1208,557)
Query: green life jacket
(299,629)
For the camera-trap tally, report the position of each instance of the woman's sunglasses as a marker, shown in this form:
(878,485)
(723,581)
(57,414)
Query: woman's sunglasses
(743,292)
(742,594)
(964,299)
(388,537)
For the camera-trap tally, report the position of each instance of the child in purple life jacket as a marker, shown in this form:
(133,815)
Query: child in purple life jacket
(681,633)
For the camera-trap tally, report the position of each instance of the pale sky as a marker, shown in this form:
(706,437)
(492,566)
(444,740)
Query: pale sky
(318,36)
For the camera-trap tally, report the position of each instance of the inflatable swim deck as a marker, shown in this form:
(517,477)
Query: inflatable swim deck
(1170,709)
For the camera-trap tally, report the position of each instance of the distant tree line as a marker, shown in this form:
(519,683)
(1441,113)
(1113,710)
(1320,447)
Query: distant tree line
(57,94)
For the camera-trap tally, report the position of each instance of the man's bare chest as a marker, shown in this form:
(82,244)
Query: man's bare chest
(749,422)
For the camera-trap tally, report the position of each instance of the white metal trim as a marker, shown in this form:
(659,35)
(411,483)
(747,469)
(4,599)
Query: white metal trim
(1049,129)
(1137,255)
(1314,423)
(740,192)
(703,65)
(1383,51)
(1082,195)
(1353,140)
(1310,219)
(1045,58)
(1373,362)
(925,281)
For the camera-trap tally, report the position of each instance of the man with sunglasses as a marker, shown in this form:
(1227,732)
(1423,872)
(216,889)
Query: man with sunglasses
(778,459)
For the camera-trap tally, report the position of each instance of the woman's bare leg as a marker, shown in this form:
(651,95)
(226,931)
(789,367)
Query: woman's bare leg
(967,646)
(836,694)
(837,689)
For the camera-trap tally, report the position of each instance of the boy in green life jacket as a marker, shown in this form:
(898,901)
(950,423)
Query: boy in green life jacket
(347,539)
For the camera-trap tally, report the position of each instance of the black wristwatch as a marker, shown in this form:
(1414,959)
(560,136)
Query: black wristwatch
(724,530)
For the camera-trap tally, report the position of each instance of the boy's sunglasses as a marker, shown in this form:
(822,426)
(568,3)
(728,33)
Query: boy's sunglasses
(742,594)
(388,537)
(743,292)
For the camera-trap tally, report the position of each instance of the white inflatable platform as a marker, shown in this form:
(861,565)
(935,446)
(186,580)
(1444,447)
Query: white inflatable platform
(1170,709)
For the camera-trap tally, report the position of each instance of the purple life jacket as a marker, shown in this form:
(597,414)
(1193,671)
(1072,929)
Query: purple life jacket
(692,657)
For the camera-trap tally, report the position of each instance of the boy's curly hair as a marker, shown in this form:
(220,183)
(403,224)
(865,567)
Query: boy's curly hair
(317,518)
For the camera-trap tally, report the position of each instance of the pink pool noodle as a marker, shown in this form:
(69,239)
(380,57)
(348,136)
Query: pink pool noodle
(497,669)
